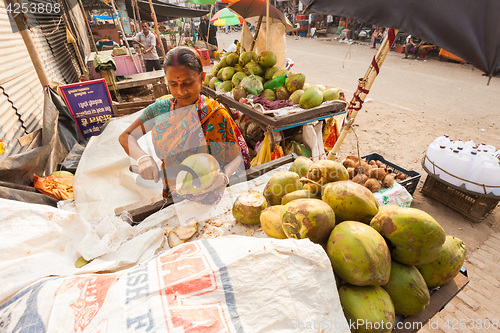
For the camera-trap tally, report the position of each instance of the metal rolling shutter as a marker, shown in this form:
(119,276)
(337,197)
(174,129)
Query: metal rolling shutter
(21,95)
(51,27)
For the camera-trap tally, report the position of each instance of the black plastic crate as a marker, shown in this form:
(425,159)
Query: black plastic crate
(409,183)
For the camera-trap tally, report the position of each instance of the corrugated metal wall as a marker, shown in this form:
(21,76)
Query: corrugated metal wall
(21,96)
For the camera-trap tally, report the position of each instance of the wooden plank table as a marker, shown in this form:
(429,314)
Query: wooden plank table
(279,123)
(142,79)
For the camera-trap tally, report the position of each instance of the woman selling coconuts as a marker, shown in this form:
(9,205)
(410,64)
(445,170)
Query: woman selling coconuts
(184,125)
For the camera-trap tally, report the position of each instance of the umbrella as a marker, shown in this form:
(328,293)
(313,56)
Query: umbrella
(470,32)
(225,17)
(257,8)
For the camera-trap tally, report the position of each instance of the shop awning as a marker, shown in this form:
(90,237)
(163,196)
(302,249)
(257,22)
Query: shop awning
(164,11)
(468,29)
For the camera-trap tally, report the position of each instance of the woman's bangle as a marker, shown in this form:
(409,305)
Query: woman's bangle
(226,178)
(142,158)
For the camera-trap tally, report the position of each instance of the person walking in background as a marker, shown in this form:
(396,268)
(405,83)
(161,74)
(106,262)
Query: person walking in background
(203,28)
(147,42)
(212,37)
(414,45)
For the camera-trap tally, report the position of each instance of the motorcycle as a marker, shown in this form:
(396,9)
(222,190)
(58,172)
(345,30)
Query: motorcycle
(365,33)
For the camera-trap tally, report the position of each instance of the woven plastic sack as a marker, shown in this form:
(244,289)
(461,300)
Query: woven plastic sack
(227,284)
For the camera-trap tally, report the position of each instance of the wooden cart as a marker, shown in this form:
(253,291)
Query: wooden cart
(276,124)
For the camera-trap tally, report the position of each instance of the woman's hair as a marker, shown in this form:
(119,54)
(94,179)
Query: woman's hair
(183,56)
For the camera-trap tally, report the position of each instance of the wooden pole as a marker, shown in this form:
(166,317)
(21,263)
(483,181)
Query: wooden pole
(267,25)
(137,24)
(156,27)
(364,86)
(208,27)
(138,14)
(77,51)
(20,20)
(256,33)
(136,8)
(123,35)
(88,26)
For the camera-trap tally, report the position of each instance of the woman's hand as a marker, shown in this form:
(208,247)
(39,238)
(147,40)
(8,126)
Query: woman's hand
(148,168)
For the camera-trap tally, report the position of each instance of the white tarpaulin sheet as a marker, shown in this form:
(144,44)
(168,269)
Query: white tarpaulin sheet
(226,284)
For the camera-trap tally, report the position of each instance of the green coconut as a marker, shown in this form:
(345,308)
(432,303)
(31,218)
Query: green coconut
(311,98)
(270,72)
(215,69)
(281,72)
(211,83)
(416,238)
(246,57)
(207,79)
(308,218)
(282,94)
(253,68)
(359,254)
(350,201)
(267,59)
(331,94)
(268,94)
(270,220)
(326,171)
(248,207)
(295,82)
(226,86)
(232,59)
(368,309)
(279,184)
(237,77)
(444,269)
(295,96)
(407,289)
(227,73)
(299,194)
(301,165)
(206,166)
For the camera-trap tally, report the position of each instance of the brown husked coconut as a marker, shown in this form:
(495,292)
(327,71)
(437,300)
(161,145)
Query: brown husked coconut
(362,167)
(400,176)
(360,178)
(348,163)
(352,157)
(377,173)
(388,180)
(351,172)
(372,184)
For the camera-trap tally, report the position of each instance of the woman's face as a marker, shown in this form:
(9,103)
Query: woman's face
(184,84)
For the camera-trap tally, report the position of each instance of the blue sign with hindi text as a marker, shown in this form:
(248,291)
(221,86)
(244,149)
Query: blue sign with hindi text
(90,104)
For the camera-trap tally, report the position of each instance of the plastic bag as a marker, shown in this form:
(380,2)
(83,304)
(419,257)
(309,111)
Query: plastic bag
(264,154)
(252,85)
(59,186)
(330,133)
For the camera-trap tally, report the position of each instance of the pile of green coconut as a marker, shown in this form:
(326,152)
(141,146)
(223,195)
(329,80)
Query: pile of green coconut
(385,259)
(250,73)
